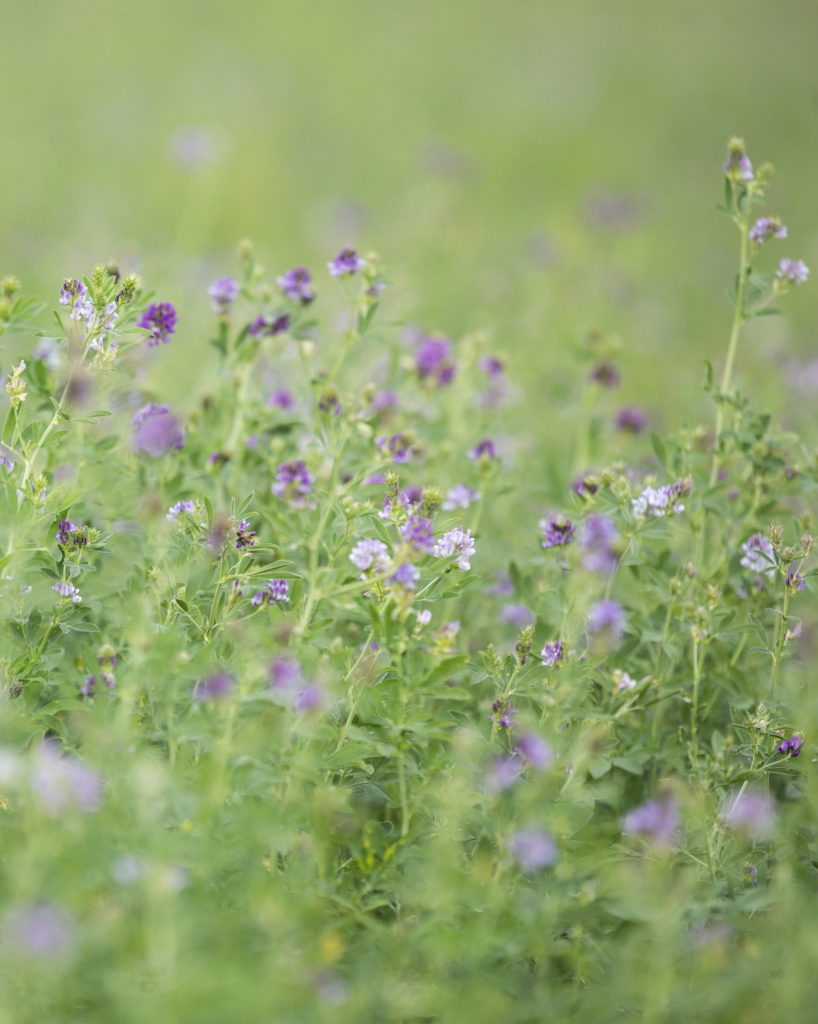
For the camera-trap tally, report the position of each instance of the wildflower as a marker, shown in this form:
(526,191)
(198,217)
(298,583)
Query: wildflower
(758,555)
(401,447)
(606,621)
(485,449)
(622,681)
(423,617)
(89,686)
(62,782)
(156,430)
(492,367)
(328,401)
(792,746)
(585,486)
(394,504)
(15,385)
(295,284)
(406,576)
(281,399)
(533,749)
(223,293)
(737,166)
(176,510)
(553,653)
(598,541)
(68,592)
(557,531)
(631,420)
(159,319)
(523,646)
(750,811)
(371,557)
(245,537)
(269,326)
(605,374)
(459,496)
(384,401)
(40,930)
(215,687)
(68,535)
(516,615)
(284,674)
(533,849)
(656,819)
(433,361)
(503,713)
(419,534)
(794,580)
(294,484)
(503,586)
(456,542)
(766,228)
(74,294)
(792,271)
(502,774)
(275,592)
(654,502)
(347,262)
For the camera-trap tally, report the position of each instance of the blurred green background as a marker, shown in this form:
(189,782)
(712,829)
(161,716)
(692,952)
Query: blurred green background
(533,168)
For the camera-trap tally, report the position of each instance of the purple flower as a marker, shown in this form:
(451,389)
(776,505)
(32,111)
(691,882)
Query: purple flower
(533,749)
(294,484)
(419,534)
(503,713)
(553,653)
(502,588)
(606,622)
(657,819)
(631,420)
(406,576)
(485,449)
(557,531)
(433,361)
(533,849)
(792,746)
(281,399)
(492,367)
(456,542)
(737,166)
(516,615)
(310,697)
(751,811)
(598,540)
(275,592)
(215,687)
(605,374)
(40,930)
(758,555)
(69,535)
(585,485)
(156,430)
(285,674)
(400,447)
(245,537)
(345,263)
(89,686)
(393,504)
(223,293)
(295,284)
(269,326)
(176,510)
(371,557)
(793,271)
(62,782)
(766,228)
(502,774)
(459,496)
(794,580)
(384,401)
(654,502)
(68,592)
(160,320)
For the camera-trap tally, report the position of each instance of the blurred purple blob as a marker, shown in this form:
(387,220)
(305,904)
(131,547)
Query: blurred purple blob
(598,539)
(631,420)
(656,819)
(606,622)
(281,399)
(215,687)
(533,749)
(434,361)
(750,811)
(61,782)
(502,774)
(156,430)
(516,615)
(533,849)
(40,930)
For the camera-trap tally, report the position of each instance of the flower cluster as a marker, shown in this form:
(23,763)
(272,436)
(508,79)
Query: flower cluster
(654,502)
(274,592)
(293,484)
(456,543)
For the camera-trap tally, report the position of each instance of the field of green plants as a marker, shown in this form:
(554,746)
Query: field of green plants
(408,483)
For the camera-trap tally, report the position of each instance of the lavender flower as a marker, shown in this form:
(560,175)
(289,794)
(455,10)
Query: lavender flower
(275,592)
(605,374)
(533,849)
(394,504)
(61,782)
(223,293)
(156,430)
(160,320)
(661,501)
(406,576)
(456,542)
(188,507)
(606,622)
(68,535)
(401,447)
(658,820)
(503,587)
(552,653)
(766,228)
(502,774)
(215,687)
(40,930)
(245,537)
(598,540)
(631,420)
(516,615)
(433,361)
(485,449)
(294,484)
(533,749)
(68,592)
(792,271)
(347,262)
(371,557)
(792,746)
(295,284)
(75,295)
(794,581)
(269,326)
(623,682)
(419,534)
(503,713)
(750,811)
(459,496)
(492,367)
(557,531)
(281,399)
(758,555)
(737,166)
(383,402)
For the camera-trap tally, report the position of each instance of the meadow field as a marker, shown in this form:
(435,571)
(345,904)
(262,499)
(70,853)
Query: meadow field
(408,475)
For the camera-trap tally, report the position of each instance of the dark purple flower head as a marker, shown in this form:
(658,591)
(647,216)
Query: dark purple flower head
(223,293)
(492,367)
(533,749)
(485,449)
(281,399)
(89,686)
(606,622)
(70,536)
(533,849)
(345,263)
(585,485)
(419,534)
(503,713)
(553,653)
(295,284)
(294,484)
(598,540)
(269,326)
(156,430)
(631,420)
(160,320)
(605,374)
(245,537)
(434,361)
(401,447)
(557,531)
(792,746)
(656,819)
(215,687)
(794,580)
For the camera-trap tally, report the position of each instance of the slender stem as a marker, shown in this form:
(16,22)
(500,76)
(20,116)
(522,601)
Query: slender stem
(779,646)
(694,708)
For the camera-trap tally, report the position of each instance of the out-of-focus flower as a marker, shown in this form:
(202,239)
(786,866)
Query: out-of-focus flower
(371,557)
(792,271)
(656,819)
(275,592)
(293,484)
(459,496)
(159,319)
(40,930)
(758,555)
(631,420)
(516,615)
(750,811)
(557,531)
(503,772)
(737,166)
(156,430)
(533,849)
(295,284)
(434,362)
(606,622)
(345,263)
(533,749)
(552,653)
(766,228)
(598,541)
(792,746)
(456,542)
(61,782)
(223,293)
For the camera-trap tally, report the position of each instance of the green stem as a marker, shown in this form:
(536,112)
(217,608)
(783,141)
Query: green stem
(779,646)
(694,708)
